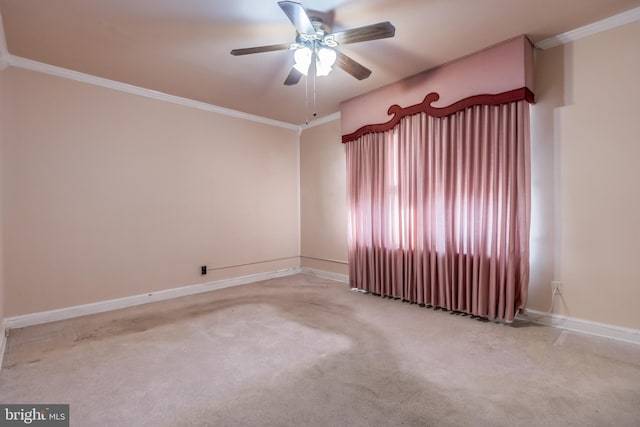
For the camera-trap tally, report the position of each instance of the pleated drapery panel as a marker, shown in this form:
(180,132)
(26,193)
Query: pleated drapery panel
(439,210)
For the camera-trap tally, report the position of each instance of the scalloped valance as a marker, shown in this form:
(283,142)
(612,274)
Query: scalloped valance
(426,107)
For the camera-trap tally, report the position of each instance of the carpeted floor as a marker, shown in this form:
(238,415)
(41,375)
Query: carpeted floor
(303,351)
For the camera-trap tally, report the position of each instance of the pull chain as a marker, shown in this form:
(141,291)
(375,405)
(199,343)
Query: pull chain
(306,100)
(313,71)
(315,112)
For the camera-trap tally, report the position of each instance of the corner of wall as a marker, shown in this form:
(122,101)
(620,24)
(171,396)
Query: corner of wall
(2,329)
(323,204)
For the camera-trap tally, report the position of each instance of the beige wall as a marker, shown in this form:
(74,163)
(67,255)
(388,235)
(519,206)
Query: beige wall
(586,146)
(109,195)
(323,198)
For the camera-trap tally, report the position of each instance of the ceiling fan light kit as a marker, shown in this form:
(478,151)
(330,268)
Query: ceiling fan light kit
(324,60)
(315,45)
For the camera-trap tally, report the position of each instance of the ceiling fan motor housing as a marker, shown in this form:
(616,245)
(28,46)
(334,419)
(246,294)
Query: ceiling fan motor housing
(322,35)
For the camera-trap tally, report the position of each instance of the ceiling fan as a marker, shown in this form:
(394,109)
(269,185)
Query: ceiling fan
(315,45)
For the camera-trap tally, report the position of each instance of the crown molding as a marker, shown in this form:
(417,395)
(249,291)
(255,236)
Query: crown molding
(28,64)
(591,29)
(321,121)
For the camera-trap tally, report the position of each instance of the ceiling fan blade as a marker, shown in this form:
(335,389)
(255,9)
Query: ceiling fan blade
(270,48)
(293,77)
(381,30)
(298,17)
(352,67)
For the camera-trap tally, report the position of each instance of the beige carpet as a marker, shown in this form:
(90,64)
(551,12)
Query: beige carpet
(303,351)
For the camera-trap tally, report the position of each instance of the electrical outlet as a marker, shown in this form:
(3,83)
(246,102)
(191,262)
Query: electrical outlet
(203,270)
(556,287)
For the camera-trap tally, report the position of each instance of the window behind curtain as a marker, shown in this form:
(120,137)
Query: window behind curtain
(439,210)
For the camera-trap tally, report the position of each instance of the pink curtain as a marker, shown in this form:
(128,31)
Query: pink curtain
(439,210)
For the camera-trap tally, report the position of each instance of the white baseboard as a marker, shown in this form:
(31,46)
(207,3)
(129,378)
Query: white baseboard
(583,326)
(3,346)
(114,304)
(555,320)
(344,278)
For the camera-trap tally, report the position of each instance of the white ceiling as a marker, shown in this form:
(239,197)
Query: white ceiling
(181,47)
